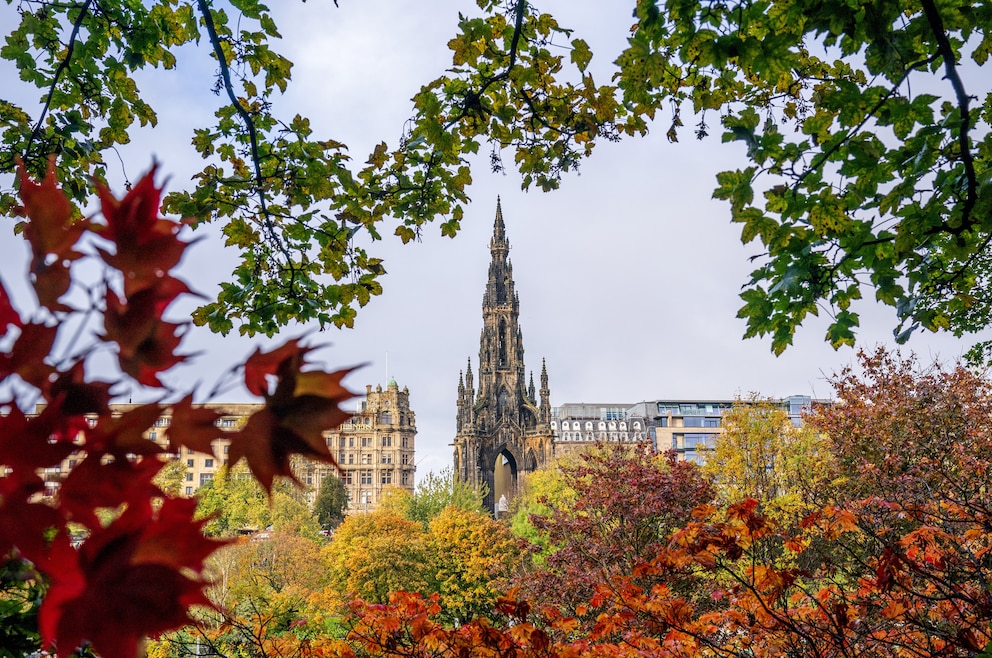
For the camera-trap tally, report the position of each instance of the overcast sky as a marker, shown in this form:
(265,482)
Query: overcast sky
(628,275)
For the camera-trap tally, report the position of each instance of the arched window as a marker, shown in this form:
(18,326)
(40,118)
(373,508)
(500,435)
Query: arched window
(387,418)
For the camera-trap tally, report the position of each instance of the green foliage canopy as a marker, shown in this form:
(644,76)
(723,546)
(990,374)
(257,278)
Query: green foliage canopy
(331,502)
(866,126)
(437,492)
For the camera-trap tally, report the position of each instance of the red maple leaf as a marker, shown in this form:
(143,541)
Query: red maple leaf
(25,523)
(262,366)
(106,483)
(8,314)
(303,406)
(125,434)
(147,246)
(27,355)
(136,577)
(194,428)
(29,444)
(79,396)
(52,233)
(147,344)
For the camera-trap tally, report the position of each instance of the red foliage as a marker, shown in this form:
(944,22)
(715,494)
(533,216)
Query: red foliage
(301,407)
(139,573)
(628,500)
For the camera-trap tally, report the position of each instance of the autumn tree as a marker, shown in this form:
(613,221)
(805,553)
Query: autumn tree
(908,433)
(542,491)
(473,557)
(331,502)
(628,499)
(371,555)
(437,491)
(233,503)
(761,455)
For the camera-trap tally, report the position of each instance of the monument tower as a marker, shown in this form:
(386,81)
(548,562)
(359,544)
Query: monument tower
(503,429)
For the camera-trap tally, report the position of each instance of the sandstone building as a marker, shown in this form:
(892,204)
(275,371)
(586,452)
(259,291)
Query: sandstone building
(374,448)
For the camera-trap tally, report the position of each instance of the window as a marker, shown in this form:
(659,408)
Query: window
(346,477)
(351,458)
(405,459)
(189,477)
(367,442)
(711,422)
(387,441)
(189,491)
(405,442)
(205,477)
(386,477)
(341,457)
(189,463)
(406,477)
(366,459)
(387,458)
(366,477)
(152,436)
(226,449)
(341,440)
(387,418)
(366,498)
(351,442)
(208,463)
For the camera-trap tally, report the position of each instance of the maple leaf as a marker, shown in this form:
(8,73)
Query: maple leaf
(303,406)
(8,314)
(193,428)
(147,246)
(28,444)
(79,396)
(146,343)
(52,233)
(27,355)
(24,522)
(100,483)
(138,576)
(124,434)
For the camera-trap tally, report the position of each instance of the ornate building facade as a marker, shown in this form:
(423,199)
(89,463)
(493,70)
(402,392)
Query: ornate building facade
(374,448)
(503,429)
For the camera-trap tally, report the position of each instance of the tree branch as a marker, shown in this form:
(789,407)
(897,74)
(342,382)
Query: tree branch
(951,73)
(225,73)
(73,37)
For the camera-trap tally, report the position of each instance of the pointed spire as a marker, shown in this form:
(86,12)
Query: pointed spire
(499,230)
(545,393)
(530,387)
(499,244)
(469,383)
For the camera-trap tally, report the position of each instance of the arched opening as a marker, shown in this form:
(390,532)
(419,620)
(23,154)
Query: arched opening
(504,482)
